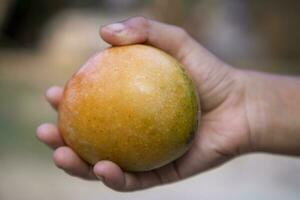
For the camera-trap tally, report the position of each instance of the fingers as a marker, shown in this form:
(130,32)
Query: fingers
(49,134)
(113,176)
(107,171)
(54,96)
(169,38)
(110,174)
(66,159)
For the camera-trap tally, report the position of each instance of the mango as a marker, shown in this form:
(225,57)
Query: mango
(133,105)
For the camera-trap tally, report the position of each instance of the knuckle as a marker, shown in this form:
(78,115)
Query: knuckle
(140,20)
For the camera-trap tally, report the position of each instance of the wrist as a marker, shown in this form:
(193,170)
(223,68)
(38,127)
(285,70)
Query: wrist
(273,112)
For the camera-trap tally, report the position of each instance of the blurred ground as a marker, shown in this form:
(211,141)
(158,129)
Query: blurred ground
(70,36)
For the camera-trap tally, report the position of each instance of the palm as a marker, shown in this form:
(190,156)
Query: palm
(222,132)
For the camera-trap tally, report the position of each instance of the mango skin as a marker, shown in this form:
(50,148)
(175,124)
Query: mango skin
(133,105)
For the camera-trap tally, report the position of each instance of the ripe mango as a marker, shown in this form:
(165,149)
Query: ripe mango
(133,105)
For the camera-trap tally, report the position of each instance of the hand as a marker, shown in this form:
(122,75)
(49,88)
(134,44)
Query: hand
(224,130)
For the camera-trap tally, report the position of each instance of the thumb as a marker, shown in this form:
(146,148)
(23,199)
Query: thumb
(172,39)
(211,76)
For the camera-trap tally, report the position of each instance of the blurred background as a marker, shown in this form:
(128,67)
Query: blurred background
(43,42)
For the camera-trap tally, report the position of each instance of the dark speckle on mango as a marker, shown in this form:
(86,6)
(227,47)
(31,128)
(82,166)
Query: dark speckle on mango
(133,105)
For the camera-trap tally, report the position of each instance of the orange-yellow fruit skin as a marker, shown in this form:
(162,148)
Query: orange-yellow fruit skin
(133,105)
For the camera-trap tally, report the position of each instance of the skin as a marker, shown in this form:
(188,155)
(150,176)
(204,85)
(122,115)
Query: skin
(242,111)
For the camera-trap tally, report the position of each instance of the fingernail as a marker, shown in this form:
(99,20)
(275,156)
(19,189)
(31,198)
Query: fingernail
(39,134)
(41,129)
(51,91)
(116,27)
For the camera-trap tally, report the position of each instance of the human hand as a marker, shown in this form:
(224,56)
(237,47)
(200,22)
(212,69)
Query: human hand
(224,130)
